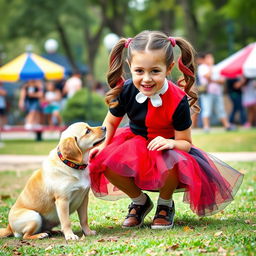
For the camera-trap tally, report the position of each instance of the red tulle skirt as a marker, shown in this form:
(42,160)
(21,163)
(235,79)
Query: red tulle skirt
(209,184)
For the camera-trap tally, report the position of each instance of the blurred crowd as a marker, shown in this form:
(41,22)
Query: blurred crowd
(42,101)
(211,87)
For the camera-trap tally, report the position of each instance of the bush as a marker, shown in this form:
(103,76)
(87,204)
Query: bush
(85,106)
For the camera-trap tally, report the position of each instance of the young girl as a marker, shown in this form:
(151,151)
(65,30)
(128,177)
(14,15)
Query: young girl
(155,152)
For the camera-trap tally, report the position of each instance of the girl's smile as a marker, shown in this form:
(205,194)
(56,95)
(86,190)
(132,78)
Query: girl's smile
(149,71)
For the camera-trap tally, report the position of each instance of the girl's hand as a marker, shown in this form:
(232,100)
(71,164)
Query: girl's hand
(95,151)
(160,143)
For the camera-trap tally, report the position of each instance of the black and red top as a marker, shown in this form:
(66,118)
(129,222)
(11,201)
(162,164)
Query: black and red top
(149,121)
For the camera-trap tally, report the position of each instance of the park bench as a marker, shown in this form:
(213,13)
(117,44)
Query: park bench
(37,131)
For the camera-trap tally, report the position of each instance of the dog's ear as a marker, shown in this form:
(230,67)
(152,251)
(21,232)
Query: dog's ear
(70,150)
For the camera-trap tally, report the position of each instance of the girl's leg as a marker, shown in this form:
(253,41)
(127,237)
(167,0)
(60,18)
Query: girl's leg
(165,212)
(170,185)
(126,184)
(141,204)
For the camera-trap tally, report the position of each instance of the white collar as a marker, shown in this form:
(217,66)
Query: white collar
(155,99)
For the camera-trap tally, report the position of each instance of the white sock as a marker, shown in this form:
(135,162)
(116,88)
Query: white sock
(140,200)
(162,201)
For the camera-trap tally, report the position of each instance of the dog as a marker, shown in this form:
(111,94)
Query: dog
(58,188)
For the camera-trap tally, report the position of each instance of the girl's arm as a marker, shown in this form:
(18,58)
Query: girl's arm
(111,123)
(182,141)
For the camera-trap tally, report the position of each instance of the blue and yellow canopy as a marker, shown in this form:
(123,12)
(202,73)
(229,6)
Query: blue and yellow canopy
(30,66)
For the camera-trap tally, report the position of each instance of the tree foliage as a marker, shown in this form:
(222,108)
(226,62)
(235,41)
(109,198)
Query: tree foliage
(220,26)
(85,105)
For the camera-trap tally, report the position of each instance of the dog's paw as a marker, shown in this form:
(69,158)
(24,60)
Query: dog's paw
(71,236)
(89,232)
(43,235)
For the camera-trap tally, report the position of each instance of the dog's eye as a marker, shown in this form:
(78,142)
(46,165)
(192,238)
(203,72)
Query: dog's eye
(87,131)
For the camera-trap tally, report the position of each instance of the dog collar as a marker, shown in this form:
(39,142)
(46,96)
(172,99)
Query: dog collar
(70,163)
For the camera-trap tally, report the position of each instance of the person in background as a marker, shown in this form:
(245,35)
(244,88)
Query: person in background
(248,86)
(235,95)
(213,100)
(156,152)
(30,96)
(201,89)
(72,85)
(99,88)
(3,106)
(51,103)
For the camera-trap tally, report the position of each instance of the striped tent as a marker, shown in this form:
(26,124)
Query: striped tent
(30,66)
(240,63)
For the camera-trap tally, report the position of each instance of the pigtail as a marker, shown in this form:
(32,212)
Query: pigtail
(186,64)
(115,73)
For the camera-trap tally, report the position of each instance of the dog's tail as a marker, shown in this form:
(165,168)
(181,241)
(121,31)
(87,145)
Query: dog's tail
(5,232)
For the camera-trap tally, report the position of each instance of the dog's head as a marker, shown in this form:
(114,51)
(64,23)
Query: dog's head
(79,138)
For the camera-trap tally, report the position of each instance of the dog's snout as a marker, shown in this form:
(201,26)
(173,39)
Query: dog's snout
(103,128)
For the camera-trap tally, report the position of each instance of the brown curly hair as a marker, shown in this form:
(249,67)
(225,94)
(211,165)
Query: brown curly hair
(152,40)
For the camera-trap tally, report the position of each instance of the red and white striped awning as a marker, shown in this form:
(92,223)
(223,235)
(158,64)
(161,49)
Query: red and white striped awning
(240,63)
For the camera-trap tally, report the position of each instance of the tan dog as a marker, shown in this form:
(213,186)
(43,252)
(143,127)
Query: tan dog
(57,189)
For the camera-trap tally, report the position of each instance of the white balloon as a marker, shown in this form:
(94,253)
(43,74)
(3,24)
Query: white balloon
(110,40)
(51,45)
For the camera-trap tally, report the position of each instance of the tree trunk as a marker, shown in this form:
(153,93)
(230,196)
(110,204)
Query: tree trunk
(168,20)
(191,23)
(114,13)
(93,42)
(66,46)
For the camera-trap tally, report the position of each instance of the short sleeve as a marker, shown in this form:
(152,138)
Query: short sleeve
(119,110)
(181,117)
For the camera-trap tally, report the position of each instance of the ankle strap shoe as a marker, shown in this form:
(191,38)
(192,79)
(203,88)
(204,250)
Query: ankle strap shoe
(137,213)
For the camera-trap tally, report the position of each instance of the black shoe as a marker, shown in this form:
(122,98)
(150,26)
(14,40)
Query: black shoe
(137,213)
(164,217)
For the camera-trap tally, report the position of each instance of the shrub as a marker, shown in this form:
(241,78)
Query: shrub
(84,106)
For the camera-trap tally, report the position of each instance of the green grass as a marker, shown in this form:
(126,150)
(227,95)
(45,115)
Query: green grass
(221,141)
(216,141)
(230,232)
(27,147)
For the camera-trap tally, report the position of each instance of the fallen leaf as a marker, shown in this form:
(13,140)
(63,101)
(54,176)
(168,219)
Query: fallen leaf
(150,251)
(4,197)
(5,246)
(248,221)
(222,250)
(93,252)
(243,171)
(173,247)
(219,233)
(207,243)
(15,252)
(48,248)
(187,229)
(202,250)
(83,237)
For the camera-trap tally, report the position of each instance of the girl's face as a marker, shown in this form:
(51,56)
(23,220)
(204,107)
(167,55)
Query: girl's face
(149,70)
